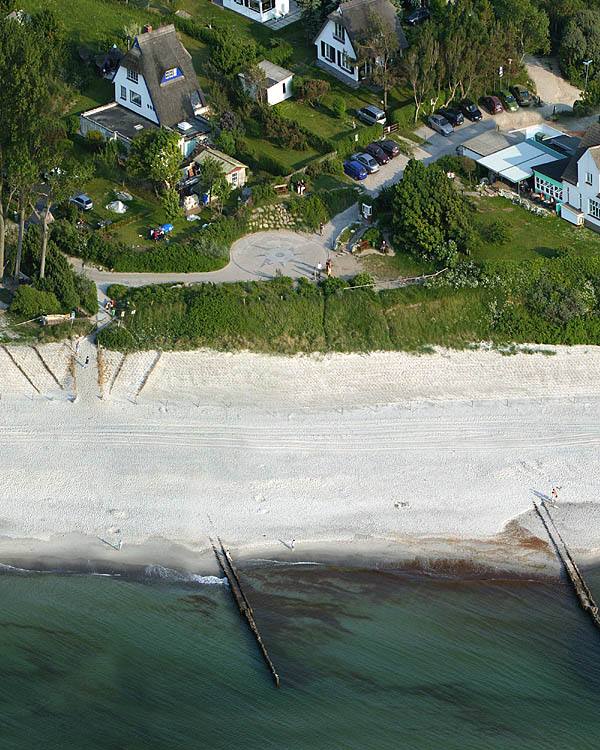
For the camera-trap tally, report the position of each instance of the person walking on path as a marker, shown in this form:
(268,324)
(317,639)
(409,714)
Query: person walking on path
(293,543)
(328,266)
(319,269)
(321,227)
(87,360)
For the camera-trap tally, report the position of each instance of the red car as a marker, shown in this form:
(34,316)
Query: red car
(492,104)
(377,153)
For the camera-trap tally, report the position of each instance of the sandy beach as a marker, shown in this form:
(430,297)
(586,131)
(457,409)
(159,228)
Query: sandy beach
(359,459)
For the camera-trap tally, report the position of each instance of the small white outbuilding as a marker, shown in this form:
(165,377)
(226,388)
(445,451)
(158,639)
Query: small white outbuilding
(278,84)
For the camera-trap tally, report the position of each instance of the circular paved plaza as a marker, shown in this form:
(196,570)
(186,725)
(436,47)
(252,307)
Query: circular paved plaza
(263,254)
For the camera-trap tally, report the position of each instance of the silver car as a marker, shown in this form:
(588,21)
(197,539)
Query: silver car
(368,162)
(440,124)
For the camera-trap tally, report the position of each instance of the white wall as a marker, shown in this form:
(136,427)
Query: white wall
(276,94)
(282,8)
(327,36)
(147,108)
(587,164)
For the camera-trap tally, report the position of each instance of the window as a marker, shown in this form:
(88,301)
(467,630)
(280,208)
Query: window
(283,85)
(234,178)
(123,93)
(548,188)
(135,99)
(132,75)
(344,62)
(589,178)
(268,5)
(338,31)
(594,208)
(327,52)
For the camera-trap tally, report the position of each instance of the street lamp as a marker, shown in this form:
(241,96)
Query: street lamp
(509,64)
(587,64)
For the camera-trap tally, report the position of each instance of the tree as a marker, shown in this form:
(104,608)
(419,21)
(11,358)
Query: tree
(233,52)
(156,154)
(429,214)
(530,24)
(314,90)
(419,65)
(339,107)
(170,204)
(222,189)
(211,170)
(62,182)
(378,50)
(256,81)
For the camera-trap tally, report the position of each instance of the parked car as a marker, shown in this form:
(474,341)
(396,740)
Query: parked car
(371,115)
(375,150)
(368,162)
(454,116)
(508,100)
(355,170)
(492,104)
(391,148)
(521,94)
(82,202)
(470,111)
(440,124)
(418,16)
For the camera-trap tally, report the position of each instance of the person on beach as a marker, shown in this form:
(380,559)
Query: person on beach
(87,360)
(293,543)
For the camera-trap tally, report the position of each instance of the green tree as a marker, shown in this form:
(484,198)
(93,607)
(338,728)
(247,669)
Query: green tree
(314,90)
(339,107)
(156,154)
(256,82)
(222,190)
(170,203)
(211,170)
(529,22)
(419,65)
(378,51)
(233,53)
(428,213)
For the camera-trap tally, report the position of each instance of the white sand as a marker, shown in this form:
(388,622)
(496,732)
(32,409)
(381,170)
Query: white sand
(263,450)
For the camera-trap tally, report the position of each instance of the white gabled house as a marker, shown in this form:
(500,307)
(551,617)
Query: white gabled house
(580,202)
(259,10)
(337,40)
(155,86)
(278,84)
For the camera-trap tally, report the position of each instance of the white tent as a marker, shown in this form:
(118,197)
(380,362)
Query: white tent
(117,206)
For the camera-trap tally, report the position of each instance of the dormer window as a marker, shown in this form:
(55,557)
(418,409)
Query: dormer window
(171,73)
(132,75)
(338,31)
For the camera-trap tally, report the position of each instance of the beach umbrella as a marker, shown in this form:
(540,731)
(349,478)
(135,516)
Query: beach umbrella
(167,227)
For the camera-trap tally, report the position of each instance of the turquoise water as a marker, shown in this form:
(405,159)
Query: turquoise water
(367,659)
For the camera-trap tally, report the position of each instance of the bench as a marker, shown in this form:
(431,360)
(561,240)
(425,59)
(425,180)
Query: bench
(281,189)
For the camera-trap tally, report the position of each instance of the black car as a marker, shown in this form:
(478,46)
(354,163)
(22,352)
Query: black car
(375,150)
(453,115)
(471,111)
(418,16)
(391,148)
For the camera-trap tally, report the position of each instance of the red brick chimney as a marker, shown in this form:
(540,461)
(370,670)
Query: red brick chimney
(147,29)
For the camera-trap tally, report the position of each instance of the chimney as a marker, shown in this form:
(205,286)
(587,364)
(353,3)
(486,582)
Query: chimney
(147,29)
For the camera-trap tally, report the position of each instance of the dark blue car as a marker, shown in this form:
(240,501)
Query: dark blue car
(355,170)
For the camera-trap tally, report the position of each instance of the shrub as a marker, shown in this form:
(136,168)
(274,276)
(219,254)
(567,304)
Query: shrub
(333,165)
(280,52)
(72,125)
(362,279)
(29,303)
(271,165)
(117,338)
(404,116)
(313,91)
(339,107)
(349,145)
(333,285)
(94,140)
(263,193)
(117,291)
(497,233)
(225,141)
(170,204)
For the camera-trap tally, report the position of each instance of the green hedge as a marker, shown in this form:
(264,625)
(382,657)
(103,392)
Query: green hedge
(348,145)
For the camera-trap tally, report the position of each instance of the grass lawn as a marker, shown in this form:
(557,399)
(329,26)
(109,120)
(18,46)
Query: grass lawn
(100,91)
(530,236)
(148,215)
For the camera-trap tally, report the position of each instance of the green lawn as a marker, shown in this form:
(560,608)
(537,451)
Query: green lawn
(147,211)
(530,236)
(100,91)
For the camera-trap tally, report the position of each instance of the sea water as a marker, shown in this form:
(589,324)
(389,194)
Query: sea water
(367,659)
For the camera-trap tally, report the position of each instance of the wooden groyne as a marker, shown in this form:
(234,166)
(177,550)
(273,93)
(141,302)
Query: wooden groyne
(226,564)
(584,595)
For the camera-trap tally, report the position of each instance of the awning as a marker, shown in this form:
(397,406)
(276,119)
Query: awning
(515,162)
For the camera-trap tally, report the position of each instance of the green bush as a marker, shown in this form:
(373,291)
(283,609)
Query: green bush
(333,165)
(117,338)
(497,233)
(94,140)
(29,303)
(339,107)
(333,285)
(349,145)
(404,116)
(362,279)
(117,291)
(280,52)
